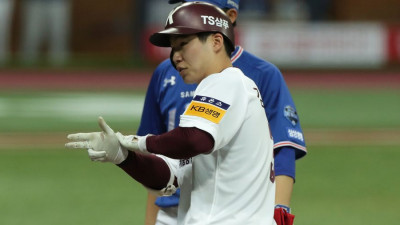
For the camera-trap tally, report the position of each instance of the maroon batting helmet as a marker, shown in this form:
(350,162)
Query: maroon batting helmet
(192,18)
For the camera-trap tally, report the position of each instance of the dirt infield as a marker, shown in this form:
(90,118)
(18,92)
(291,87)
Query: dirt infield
(72,80)
(352,137)
(313,137)
(130,79)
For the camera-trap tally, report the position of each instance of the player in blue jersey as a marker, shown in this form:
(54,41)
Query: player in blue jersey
(167,97)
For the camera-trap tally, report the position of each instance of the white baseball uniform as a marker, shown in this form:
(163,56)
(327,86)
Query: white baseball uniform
(234,183)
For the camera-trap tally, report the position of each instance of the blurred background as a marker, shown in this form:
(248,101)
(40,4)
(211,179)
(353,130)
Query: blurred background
(290,33)
(63,63)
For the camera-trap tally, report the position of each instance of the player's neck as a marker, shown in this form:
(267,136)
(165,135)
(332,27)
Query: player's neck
(218,64)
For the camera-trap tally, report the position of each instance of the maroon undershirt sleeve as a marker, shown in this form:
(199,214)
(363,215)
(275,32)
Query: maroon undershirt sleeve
(149,170)
(181,143)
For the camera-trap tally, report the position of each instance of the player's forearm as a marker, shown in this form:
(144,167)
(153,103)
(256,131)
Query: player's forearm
(285,174)
(151,210)
(149,170)
(284,189)
(181,143)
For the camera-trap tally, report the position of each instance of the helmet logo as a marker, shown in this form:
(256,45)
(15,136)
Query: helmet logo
(170,20)
(219,22)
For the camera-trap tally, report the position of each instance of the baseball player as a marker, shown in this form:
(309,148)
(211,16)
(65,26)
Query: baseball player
(168,96)
(223,142)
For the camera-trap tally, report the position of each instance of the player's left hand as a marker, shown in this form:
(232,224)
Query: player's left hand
(282,217)
(102,146)
(133,143)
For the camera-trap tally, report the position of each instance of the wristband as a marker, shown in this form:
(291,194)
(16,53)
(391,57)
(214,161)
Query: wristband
(285,207)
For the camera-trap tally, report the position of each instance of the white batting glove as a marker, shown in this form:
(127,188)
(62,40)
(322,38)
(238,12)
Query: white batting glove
(102,146)
(133,143)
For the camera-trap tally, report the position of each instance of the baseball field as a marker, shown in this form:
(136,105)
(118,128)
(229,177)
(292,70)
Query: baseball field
(351,124)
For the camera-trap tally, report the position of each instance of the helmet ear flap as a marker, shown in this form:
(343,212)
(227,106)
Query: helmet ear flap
(170,58)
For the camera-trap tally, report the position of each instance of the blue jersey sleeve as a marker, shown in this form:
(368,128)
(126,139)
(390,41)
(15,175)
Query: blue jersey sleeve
(282,114)
(285,162)
(284,122)
(289,143)
(283,119)
(279,106)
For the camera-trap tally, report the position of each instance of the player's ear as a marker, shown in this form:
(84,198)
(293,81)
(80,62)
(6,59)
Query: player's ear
(232,14)
(218,41)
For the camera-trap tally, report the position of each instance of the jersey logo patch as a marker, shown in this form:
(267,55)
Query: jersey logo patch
(208,108)
(169,81)
(295,134)
(290,113)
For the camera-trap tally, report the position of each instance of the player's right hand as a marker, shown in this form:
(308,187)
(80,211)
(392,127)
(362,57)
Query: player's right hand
(102,146)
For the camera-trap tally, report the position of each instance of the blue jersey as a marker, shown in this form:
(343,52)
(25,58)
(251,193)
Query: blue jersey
(167,97)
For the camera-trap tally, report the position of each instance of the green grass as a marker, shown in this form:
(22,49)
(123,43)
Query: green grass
(347,185)
(338,184)
(59,186)
(348,109)
(335,185)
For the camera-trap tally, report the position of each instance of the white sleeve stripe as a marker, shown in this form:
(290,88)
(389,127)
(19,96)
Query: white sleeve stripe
(237,55)
(289,143)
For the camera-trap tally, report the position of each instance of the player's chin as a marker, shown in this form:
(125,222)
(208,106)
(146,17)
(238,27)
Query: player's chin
(189,77)
(188,80)
(186,77)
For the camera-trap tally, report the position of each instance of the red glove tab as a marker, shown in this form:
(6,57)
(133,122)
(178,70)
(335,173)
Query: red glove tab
(282,217)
